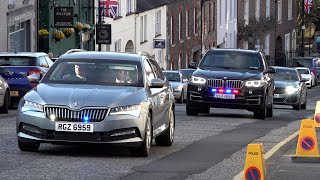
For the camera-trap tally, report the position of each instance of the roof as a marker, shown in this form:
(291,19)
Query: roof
(302,68)
(235,50)
(102,55)
(25,54)
(145,5)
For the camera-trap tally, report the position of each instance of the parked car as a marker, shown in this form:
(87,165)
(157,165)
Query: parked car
(17,68)
(232,78)
(178,84)
(308,75)
(187,72)
(313,63)
(99,97)
(290,88)
(4,95)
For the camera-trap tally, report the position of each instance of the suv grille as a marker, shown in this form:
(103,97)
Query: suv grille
(65,114)
(215,83)
(234,84)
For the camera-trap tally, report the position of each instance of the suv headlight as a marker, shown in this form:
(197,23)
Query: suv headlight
(132,110)
(31,106)
(292,90)
(198,80)
(256,83)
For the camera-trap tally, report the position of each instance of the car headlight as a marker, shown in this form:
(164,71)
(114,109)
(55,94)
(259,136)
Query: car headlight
(256,83)
(132,110)
(31,106)
(198,80)
(291,89)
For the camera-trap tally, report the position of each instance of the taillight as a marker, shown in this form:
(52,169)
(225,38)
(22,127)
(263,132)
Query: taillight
(34,71)
(313,72)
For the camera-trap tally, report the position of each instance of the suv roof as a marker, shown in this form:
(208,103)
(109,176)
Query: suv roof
(102,55)
(25,54)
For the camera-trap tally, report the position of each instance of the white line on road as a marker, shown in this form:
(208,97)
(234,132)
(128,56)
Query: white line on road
(271,151)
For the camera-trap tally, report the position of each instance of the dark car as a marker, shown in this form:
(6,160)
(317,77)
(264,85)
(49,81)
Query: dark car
(232,78)
(290,88)
(17,70)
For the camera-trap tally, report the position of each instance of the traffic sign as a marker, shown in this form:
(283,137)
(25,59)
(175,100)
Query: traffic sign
(103,34)
(253,173)
(307,143)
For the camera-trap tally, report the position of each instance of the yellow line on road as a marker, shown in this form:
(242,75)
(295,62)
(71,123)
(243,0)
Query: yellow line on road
(271,152)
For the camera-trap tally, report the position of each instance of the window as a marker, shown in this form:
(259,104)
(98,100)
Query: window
(267,8)
(195,19)
(158,23)
(187,23)
(257,9)
(294,40)
(143,28)
(172,30)
(210,17)
(130,6)
(179,61)
(180,26)
(279,11)
(117,45)
(246,12)
(267,44)
(160,56)
(289,9)
(220,14)
(187,60)
(226,12)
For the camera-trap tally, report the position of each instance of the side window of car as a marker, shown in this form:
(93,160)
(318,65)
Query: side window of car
(156,69)
(49,61)
(41,61)
(149,73)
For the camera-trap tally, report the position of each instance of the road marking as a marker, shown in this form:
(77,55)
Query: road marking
(271,151)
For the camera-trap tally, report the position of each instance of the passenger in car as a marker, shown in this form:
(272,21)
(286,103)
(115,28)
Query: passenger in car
(123,77)
(79,73)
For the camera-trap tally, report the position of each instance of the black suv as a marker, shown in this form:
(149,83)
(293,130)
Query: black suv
(232,78)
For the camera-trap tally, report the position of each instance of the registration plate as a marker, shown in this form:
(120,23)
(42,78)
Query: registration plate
(225,96)
(276,95)
(14,93)
(74,127)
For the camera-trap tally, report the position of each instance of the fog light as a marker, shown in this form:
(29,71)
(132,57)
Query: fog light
(31,128)
(199,89)
(128,132)
(52,117)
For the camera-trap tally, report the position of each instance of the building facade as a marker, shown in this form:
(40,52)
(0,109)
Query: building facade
(184,33)
(140,27)
(209,25)
(17,26)
(269,26)
(227,30)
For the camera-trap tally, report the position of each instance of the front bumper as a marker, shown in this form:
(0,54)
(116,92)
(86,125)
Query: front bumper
(248,98)
(117,130)
(286,99)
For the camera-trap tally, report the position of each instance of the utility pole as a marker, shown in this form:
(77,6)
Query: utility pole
(303,28)
(99,21)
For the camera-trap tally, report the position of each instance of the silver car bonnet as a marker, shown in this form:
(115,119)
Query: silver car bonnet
(86,95)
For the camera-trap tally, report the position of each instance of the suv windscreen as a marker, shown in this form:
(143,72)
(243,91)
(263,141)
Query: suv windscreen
(17,61)
(302,63)
(231,60)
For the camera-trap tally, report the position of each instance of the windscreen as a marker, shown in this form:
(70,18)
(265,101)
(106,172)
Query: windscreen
(285,75)
(303,71)
(172,76)
(231,60)
(105,72)
(17,61)
(302,63)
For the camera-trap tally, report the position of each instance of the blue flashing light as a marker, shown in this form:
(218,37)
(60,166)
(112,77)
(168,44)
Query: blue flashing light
(86,118)
(214,90)
(228,91)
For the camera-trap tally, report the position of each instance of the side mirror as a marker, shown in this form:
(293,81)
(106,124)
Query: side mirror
(271,70)
(303,80)
(156,83)
(185,80)
(192,65)
(34,78)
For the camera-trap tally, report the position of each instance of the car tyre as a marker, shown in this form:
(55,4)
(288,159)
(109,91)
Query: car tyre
(5,107)
(166,139)
(270,110)
(261,114)
(298,105)
(190,111)
(181,100)
(144,149)
(30,147)
(304,105)
(205,110)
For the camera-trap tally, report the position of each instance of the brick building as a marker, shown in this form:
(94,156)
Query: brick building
(184,33)
(209,24)
(268,26)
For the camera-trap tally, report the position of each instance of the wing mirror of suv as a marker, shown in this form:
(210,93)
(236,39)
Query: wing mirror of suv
(156,83)
(192,65)
(271,70)
(35,78)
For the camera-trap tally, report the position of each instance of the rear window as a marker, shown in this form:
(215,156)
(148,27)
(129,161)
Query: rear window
(302,63)
(303,71)
(231,60)
(17,61)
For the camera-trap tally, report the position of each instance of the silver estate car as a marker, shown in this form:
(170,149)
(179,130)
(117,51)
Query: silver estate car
(99,97)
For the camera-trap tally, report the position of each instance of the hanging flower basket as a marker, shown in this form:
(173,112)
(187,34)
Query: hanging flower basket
(43,33)
(78,27)
(86,27)
(68,32)
(58,35)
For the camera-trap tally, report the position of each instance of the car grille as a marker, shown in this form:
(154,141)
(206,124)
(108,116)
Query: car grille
(234,84)
(66,114)
(215,83)
(219,83)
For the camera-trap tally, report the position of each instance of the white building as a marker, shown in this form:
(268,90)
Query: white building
(137,26)
(227,23)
